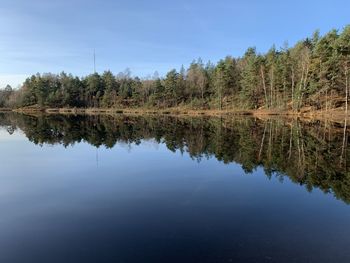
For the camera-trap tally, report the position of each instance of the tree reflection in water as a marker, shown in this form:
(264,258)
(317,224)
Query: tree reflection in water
(313,154)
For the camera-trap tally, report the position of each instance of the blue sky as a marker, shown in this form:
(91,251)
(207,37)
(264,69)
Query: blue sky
(145,36)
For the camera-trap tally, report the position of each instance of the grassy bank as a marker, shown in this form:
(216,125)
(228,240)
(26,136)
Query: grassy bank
(337,114)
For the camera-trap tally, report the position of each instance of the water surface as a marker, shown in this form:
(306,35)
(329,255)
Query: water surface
(166,189)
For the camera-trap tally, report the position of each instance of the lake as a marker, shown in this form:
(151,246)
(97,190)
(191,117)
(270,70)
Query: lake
(173,189)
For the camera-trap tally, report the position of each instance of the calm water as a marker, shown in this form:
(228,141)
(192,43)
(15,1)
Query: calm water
(162,189)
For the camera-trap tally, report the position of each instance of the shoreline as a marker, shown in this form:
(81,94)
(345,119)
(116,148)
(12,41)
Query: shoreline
(335,115)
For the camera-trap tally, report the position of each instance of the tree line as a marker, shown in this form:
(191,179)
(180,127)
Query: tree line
(313,73)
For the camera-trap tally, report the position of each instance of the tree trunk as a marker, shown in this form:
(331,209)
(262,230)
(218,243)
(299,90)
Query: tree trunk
(346,91)
(284,101)
(264,85)
(326,100)
(293,83)
(271,86)
(303,83)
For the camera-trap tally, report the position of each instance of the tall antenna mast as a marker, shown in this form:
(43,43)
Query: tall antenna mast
(94,73)
(94,61)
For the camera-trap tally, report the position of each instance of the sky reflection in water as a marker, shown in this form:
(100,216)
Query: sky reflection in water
(163,193)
